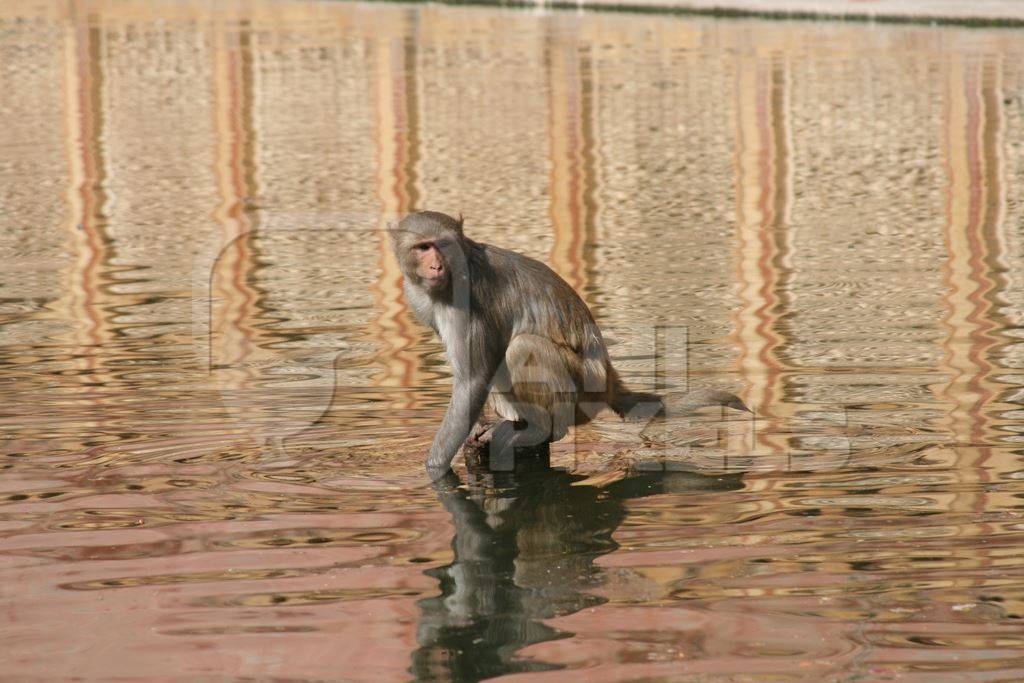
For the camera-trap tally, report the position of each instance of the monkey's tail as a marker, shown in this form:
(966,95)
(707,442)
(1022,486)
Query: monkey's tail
(692,400)
(635,405)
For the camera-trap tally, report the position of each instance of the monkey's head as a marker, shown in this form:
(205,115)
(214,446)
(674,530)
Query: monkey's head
(428,246)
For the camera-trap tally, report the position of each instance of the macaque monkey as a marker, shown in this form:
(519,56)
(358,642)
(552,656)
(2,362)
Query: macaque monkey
(516,332)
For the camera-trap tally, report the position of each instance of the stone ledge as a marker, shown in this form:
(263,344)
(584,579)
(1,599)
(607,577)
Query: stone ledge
(980,12)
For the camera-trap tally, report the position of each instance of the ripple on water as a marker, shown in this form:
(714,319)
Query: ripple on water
(214,407)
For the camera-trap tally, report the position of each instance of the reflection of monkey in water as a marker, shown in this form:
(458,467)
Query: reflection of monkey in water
(515,330)
(524,550)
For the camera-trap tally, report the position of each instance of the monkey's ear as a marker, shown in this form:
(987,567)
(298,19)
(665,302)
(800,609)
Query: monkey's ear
(458,227)
(393,235)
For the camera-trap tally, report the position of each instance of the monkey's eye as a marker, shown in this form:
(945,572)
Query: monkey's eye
(423,246)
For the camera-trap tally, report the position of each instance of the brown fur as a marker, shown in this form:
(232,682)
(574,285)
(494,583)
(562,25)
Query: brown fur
(512,328)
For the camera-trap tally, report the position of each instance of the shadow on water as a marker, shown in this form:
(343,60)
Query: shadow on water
(525,546)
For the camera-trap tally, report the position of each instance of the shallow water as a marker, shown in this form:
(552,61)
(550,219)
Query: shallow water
(215,406)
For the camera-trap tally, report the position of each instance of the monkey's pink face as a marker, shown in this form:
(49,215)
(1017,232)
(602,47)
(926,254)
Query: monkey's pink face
(430,264)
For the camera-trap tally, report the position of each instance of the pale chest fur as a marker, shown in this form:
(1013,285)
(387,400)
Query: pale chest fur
(437,316)
(445,324)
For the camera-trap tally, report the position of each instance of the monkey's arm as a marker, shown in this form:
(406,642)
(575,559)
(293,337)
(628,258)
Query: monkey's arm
(474,355)
(468,397)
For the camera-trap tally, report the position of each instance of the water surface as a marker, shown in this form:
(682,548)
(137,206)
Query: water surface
(214,406)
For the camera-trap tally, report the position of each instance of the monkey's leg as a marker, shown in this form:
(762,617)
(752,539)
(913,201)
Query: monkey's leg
(537,402)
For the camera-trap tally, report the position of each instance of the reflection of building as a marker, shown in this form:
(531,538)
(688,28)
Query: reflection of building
(975,245)
(397,119)
(636,174)
(762,198)
(612,163)
(831,211)
(573,211)
(88,234)
(614,136)
(234,300)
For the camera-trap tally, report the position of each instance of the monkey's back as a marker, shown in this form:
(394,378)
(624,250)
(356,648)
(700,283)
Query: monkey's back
(537,301)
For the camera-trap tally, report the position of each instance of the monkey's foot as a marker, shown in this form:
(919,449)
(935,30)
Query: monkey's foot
(481,434)
(509,438)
